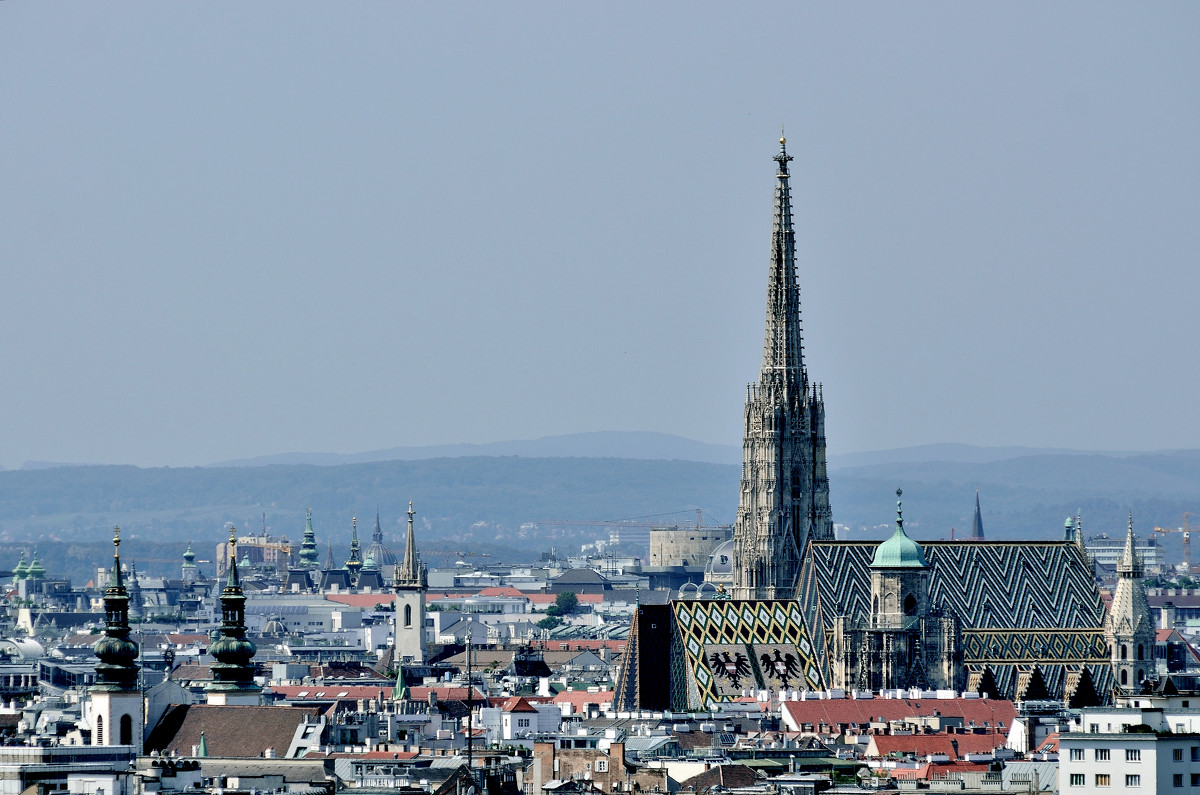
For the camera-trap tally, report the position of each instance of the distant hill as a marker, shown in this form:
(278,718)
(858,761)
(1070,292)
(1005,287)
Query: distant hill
(493,503)
(642,445)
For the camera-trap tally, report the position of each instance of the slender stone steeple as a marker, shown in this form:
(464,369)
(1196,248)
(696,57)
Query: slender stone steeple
(784,490)
(411,581)
(309,555)
(977,522)
(114,707)
(233,673)
(1128,628)
(354,563)
(411,573)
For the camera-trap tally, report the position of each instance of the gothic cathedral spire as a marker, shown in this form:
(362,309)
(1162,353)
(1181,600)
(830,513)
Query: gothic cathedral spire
(785,490)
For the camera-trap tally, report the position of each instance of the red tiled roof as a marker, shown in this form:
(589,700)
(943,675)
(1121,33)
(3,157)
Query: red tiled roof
(953,746)
(187,638)
(579,698)
(1049,745)
(833,713)
(517,704)
(228,730)
(361,599)
(500,591)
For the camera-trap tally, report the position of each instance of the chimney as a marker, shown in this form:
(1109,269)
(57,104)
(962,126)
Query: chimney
(1168,615)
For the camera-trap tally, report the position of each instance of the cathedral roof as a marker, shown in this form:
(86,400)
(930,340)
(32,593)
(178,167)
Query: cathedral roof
(899,551)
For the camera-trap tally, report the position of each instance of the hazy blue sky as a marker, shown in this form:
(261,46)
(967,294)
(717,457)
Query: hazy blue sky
(233,229)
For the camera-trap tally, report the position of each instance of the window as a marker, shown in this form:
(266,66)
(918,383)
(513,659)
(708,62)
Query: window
(601,765)
(1094,728)
(1177,780)
(99,730)
(1196,779)
(1133,780)
(1076,779)
(1196,753)
(1133,754)
(1076,754)
(408,615)
(1177,755)
(126,730)
(1101,754)
(1102,780)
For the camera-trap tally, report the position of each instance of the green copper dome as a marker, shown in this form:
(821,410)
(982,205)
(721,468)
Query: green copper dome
(22,569)
(899,551)
(36,570)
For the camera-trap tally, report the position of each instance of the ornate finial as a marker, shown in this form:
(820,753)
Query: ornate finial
(783,157)
(410,511)
(782,136)
(116,541)
(233,535)
(899,511)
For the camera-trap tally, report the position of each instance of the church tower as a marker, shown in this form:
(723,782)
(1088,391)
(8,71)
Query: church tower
(1128,627)
(784,500)
(309,556)
(354,563)
(411,582)
(233,673)
(115,705)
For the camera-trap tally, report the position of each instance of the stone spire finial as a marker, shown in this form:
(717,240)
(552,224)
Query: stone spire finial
(1130,562)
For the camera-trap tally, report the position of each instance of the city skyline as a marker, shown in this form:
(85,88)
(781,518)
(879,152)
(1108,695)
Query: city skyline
(344,232)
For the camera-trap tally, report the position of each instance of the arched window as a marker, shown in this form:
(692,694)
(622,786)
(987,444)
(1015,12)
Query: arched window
(875,605)
(1124,652)
(1140,651)
(408,615)
(1141,676)
(126,730)
(910,605)
(99,730)
(1124,677)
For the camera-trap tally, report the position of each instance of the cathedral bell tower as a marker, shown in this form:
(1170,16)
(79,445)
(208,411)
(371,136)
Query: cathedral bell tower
(784,501)
(411,582)
(115,705)
(1128,627)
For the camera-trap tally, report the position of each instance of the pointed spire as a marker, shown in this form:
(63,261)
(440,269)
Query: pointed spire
(1130,562)
(354,562)
(377,534)
(410,573)
(203,752)
(400,691)
(783,357)
(308,546)
(232,580)
(977,522)
(329,565)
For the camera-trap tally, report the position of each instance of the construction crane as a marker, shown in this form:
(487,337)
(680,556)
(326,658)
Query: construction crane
(1187,540)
